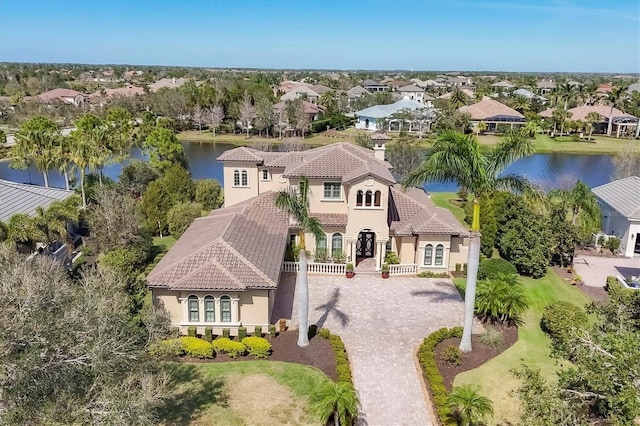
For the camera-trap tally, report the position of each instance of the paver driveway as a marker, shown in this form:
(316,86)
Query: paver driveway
(382,322)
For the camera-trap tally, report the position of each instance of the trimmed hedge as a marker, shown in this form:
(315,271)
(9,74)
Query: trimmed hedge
(430,274)
(197,348)
(427,357)
(228,346)
(167,348)
(257,346)
(343,367)
(494,268)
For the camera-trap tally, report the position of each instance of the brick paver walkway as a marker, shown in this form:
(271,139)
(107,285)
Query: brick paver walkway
(382,322)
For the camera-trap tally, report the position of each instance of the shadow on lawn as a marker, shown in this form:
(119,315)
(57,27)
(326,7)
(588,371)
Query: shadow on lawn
(195,391)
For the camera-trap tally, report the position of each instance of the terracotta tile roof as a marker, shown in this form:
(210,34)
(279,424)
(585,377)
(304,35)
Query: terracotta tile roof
(623,195)
(413,213)
(581,112)
(309,107)
(488,108)
(233,248)
(331,219)
(58,93)
(469,93)
(241,154)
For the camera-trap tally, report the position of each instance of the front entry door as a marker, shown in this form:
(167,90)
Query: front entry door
(637,248)
(365,245)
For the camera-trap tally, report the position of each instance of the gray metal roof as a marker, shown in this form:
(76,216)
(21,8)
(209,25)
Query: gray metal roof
(623,195)
(23,198)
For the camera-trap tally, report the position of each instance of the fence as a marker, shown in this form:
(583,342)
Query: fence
(316,268)
(407,269)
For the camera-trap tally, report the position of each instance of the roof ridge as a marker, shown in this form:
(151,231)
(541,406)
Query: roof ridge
(208,264)
(247,261)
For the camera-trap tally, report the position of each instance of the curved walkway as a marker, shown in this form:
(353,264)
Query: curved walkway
(382,322)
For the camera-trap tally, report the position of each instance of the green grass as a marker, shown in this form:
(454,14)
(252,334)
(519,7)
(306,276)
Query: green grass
(222,393)
(161,247)
(449,201)
(241,139)
(544,144)
(532,347)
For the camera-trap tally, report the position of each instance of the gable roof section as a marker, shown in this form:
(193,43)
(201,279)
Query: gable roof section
(413,213)
(23,198)
(410,88)
(623,195)
(488,108)
(297,91)
(233,248)
(581,112)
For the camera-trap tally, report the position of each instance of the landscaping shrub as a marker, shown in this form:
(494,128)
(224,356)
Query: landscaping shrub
(257,331)
(257,346)
(501,299)
(494,268)
(429,274)
(242,333)
(392,258)
(228,346)
(197,348)
(191,331)
(491,337)
(272,330)
(426,355)
(175,332)
(343,367)
(452,355)
(613,284)
(166,348)
(208,334)
(613,244)
(559,320)
(321,256)
(226,332)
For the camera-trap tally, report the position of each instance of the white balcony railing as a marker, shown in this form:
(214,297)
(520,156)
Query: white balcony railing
(316,268)
(407,269)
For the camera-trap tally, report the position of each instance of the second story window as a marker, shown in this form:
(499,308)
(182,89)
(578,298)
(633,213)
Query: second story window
(245,178)
(240,178)
(332,190)
(265,175)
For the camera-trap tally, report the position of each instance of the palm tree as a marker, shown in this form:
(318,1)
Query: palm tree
(532,83)
(62,157)
(457,158)
(567,93)
(592,119)
(51,223)
(20,230)
(35,146)
(580,203)
(80,152)
(470,408)
(615,98)
(339,400)
(520,103)
(458,98)
(560,116)
(296,203)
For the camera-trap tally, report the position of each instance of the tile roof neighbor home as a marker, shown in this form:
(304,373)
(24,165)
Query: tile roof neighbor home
(620,206)
(493,113)
(68,96)
(415,93)
(605,88)
(224,271)
(120,91)
(504,84)
(621,122)
(313,110)
(374,86)
(168,83)
(470,93)
(356,92)
(545,86)
(299,91)
(369,118)
(23,198)
(460,81)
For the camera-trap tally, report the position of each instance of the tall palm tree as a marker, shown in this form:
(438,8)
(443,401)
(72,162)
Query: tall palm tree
(296,203)
(615,99)
(580,203)
(458,98)
(35,146)
(20,230)
(62,157)
(566,93)
(339,400)
(520,103)
(457,158)
(470,408)
(80,152)
(532,83)
(51,222)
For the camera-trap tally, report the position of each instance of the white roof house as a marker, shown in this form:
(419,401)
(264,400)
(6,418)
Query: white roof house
(368,117)
(529,94)
(620,206)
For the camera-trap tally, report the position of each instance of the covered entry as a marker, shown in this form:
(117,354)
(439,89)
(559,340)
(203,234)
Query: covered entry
(365,245)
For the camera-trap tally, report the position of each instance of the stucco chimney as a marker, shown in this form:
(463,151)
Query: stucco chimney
(379,140)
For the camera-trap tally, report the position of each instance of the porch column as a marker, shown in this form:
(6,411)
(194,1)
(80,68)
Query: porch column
(352,250)
(185,309)
(379,256)
(618,131)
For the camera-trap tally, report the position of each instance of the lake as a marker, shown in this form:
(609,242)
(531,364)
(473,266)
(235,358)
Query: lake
(547,170)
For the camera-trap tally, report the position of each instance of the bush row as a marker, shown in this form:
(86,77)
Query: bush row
(342,361)
(427,357)
(429,274)
(199,348)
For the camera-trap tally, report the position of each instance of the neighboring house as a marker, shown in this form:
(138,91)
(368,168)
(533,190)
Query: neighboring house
(529,95)
(68,96)
(301,91)
(23,198)
(120,91)
(604,89)
(620,206)
(397,84)
(545,87)
(460,81)
(504,85)
(470,93)
(374,86)
(635,87)
(621,122)
(416,93)
(168,83)
(225,269)
(493,113)
(372,117)
(313,110)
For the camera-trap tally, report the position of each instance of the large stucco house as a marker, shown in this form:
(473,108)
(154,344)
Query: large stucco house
(224,271)
(620,207)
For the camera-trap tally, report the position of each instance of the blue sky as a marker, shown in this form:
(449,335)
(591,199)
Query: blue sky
(527,35)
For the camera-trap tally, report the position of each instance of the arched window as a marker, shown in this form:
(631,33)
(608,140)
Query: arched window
(321,243)
(245,178)
(439,254)
(359,199)
(367,199)
(336,244)
(194,309)
(209,309)
(236,178)
(428,253)
(377,197)
(225,309)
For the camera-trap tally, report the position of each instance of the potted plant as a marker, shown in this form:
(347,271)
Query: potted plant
(385,270)
(349,270)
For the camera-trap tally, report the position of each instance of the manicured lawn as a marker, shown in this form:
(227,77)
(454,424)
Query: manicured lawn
(532,347)
(449,200)
(544,144)
(161,247)
(241,140)
(241,393)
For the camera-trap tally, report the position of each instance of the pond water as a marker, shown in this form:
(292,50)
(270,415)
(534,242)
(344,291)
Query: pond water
(546,170)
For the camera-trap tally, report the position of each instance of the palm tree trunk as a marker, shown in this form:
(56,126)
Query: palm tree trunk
(610,124)
(100,176)
(84,197)
(336,418)
(473,262)
(46,179)
(302,292)
(65,172)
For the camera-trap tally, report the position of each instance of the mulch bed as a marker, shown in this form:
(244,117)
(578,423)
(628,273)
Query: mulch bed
(285,348)
(480,354)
